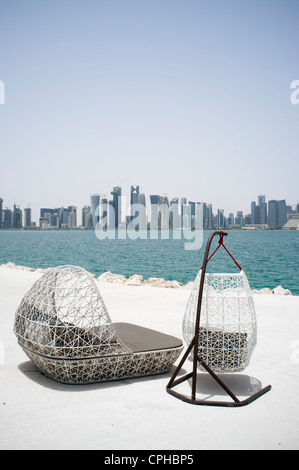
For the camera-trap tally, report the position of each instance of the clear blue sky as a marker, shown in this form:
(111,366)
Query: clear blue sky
(188,98)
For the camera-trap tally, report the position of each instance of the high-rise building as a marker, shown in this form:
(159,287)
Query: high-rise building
(247,219)
(210,216)
(261,200)
(164,210)
(45,211)
(49,218)
(59,217)
(192,206)
(134,192)
(272,213)
(63,218)
(253,213)
(17,217)
(88,220)
(54,220)
(27,221)
(261,215)
(72,219)
(72,210)
(116,204)
(142,220)
(141,199)
(230,219)
(111,215)
(85,211)
(104,213)
(155,213)
(186,216)
(239,220)
(220,218)
(183,201)
(198,217)
(204,215)
(95,206)
(174,217)
(277,213)
(7,218)
(1,208)
(281,213)
(259,211)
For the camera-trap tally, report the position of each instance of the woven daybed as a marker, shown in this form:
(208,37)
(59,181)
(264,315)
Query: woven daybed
(64,327)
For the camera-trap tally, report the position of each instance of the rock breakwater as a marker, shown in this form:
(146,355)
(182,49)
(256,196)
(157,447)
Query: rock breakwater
(138,280)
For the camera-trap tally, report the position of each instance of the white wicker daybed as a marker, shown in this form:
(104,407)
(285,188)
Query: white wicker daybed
(63,326)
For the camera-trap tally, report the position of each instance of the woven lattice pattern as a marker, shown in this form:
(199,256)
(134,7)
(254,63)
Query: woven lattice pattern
(63,326)
(63,315)
(109,368)
(227,334)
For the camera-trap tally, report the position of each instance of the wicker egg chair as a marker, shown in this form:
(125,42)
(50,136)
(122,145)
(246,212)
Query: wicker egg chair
(63,326)
(220,327)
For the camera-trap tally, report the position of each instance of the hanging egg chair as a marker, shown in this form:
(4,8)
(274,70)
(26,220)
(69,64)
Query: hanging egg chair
(227,333)
(220,327)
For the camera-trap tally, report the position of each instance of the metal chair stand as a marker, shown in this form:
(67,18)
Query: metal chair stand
(197,360)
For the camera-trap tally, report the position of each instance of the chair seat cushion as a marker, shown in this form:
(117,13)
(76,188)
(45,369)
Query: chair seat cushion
(140,339)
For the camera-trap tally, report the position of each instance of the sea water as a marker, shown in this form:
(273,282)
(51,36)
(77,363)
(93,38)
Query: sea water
(269,258)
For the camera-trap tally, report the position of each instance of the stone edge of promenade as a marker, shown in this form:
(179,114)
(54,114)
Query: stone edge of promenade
(137,280)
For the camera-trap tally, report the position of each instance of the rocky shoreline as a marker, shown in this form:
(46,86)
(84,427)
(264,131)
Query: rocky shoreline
(138,280)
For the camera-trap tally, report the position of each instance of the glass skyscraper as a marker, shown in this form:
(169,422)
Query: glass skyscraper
(95,203)
(116,204)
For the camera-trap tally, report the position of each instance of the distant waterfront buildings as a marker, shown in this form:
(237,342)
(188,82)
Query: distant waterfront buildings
(86,217)
(220,219)
(142,217)
(116,204)
(239,220)
(95,205)
(134,192)
(258,214)
(174,216)
(159,213)
(6,218)
(164,210)
(27,219)
(277,211)
(58,218)
(17,217)
(155,214)
(1,209)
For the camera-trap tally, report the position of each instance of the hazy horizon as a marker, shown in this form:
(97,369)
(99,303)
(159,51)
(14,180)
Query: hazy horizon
(189,99)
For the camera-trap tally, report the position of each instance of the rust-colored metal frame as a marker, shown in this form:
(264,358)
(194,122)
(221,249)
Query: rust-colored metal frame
(198,360)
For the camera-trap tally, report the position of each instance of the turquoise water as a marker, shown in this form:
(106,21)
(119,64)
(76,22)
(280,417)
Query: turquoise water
(269,258)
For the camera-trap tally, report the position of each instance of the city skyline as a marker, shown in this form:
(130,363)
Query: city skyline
(178,96)
(81,201)
(263,212)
